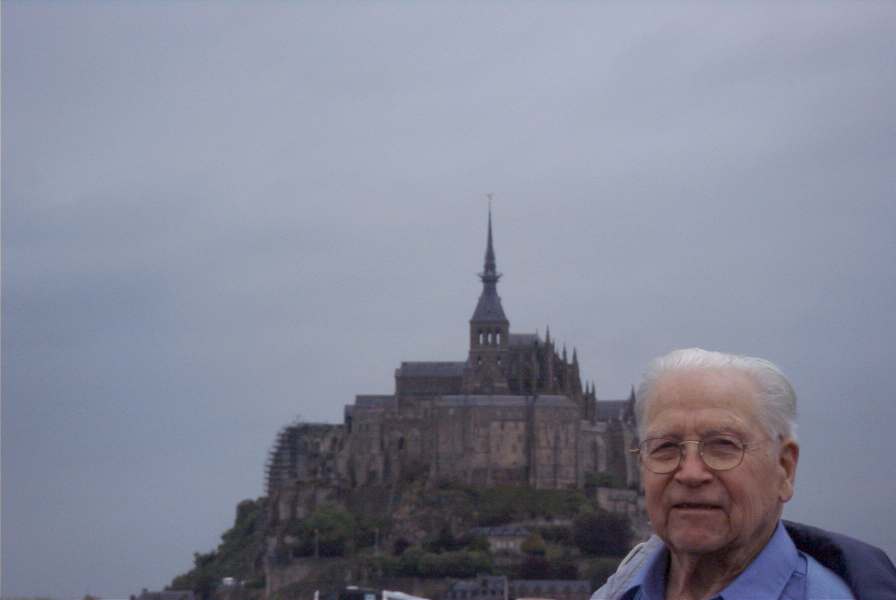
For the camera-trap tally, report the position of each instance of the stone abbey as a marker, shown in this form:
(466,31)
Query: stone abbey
(514,412)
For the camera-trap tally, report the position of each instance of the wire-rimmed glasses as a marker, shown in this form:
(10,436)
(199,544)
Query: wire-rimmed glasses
(663,455)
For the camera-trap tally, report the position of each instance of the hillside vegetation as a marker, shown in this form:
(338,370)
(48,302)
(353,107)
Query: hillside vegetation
(426,534)
(239,555)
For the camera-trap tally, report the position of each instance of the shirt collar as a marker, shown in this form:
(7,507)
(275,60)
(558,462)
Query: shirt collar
(769,572)
(765,577)
(651,578)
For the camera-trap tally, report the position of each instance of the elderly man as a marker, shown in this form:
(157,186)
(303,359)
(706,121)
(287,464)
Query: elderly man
(718,460)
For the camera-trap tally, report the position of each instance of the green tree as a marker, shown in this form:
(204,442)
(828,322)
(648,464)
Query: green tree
(477,543)
(236,556)
(444,541)
(409,565)
(534,545)
(331,528)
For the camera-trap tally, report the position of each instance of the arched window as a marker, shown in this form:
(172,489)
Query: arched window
(481,337)
(498,338)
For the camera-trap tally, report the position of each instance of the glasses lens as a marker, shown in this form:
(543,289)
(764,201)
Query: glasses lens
(661,455)
(722,453)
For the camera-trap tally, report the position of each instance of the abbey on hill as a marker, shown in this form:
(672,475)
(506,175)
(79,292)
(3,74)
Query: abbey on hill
(514,412)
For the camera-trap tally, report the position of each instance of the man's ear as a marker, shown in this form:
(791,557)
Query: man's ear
(788,457)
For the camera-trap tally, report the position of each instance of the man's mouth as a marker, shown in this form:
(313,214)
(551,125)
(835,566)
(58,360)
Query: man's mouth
(695,506)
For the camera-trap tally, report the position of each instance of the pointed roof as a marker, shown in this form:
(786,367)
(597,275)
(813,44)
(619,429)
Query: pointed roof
(489,306)
(490,251)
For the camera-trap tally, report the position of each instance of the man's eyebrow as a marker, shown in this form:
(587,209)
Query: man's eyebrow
(725,430)
(659,433)
(714,430)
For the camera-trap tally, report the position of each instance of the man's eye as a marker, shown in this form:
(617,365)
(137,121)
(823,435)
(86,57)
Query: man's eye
(721,445)
(663,449)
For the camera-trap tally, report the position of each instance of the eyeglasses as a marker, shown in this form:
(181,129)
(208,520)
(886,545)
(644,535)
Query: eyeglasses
(663,455)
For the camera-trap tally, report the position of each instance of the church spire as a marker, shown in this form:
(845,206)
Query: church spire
(489,273)
(489,306)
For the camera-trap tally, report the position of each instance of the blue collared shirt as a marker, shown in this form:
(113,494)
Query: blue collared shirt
(779,572)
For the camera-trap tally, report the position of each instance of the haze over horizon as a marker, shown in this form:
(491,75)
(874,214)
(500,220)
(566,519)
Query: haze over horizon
(217,218)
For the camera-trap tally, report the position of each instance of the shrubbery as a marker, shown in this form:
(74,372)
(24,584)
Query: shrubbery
(335,531)
(558,534)
(506,504)
(560,566)
(534,545)
(416,562)
(236,555)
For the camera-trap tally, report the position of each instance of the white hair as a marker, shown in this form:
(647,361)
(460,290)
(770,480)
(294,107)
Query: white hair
(777,399)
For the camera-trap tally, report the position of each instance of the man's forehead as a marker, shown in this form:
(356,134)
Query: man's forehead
(716,394)
(707,421)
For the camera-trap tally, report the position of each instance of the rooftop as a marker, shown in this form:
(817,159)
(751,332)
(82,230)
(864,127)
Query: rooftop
(611,409)
(503,400)
(522,339)
(430,369)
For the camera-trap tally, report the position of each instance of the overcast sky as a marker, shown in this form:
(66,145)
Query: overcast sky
(219,217)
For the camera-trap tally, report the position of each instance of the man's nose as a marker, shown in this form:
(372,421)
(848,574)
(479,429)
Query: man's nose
(692,470)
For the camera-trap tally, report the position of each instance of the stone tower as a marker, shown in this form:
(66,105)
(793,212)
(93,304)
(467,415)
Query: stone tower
(486,369)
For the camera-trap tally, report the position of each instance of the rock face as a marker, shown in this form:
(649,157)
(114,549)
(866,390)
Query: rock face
(513,413)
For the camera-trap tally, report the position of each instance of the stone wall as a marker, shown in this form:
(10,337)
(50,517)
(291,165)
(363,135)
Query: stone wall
(555,427)
(481,441)
(477,439)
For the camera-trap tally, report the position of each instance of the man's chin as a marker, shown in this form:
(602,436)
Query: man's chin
(696,540)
